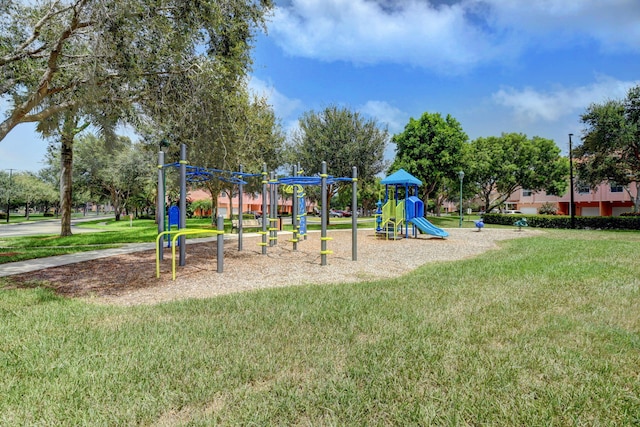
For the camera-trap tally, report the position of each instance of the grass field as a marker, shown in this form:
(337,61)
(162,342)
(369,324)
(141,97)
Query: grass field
(15,218)
(113,234)
(544,331)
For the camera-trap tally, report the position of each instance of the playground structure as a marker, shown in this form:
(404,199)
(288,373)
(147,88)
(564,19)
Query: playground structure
(402,209)
(269,231)
(522,222)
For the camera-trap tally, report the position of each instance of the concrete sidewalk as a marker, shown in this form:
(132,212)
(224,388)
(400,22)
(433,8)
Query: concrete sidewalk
(30,265)
(47,226)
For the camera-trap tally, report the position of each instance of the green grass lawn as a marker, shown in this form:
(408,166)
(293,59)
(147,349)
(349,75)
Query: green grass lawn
(15,218)
(543,331)
(115,233)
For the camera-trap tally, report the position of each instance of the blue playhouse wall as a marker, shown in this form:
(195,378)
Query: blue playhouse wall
(414,208)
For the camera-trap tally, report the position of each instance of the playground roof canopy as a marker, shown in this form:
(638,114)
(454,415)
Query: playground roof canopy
(401,177)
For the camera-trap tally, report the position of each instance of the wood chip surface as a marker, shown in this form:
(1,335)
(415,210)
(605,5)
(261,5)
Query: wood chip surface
(131,279)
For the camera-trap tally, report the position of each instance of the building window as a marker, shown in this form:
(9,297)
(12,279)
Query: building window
(615,188)
(583,189)
(527,193)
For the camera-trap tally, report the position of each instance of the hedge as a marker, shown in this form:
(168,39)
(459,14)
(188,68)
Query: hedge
(564,221)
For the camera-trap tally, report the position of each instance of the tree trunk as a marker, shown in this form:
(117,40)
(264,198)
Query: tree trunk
(214,210)
(438,200)
(66,160)
(117,207)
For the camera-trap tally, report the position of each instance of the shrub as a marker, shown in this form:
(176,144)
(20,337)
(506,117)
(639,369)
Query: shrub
(564,221)
(548,209)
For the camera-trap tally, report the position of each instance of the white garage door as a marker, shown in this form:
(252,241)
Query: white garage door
(590,211)
(620,210)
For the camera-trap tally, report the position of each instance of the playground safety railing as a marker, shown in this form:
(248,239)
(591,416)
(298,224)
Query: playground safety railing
(176,234)
(393,215)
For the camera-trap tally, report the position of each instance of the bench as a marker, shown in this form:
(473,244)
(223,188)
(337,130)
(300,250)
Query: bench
(246,223)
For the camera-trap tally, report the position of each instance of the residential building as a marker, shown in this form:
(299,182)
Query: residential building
(605,200)
(250,203)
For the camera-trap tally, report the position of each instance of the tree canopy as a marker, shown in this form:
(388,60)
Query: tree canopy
(431,149)
(61,55)
(343,138)
(610,150)
(499,166)
(222,124)
(74,62)
(119,172)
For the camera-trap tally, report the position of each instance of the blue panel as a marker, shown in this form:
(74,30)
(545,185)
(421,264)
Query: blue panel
(174,216)
(414,208)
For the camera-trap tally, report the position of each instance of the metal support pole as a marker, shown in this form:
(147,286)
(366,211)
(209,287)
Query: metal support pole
(294,211)
(160,202)
(220,243)
(461,176)
(300,172)
(572,207)
(265,217)
(183,204)
(240,210)
(354,213)
(273,212)
(325,210)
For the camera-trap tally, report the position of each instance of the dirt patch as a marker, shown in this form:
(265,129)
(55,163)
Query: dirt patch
(9,253)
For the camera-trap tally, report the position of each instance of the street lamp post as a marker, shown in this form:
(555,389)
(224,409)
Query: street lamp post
(461,176)
(572,209)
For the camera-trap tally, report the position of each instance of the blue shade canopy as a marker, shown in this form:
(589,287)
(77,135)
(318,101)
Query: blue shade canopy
(401,177)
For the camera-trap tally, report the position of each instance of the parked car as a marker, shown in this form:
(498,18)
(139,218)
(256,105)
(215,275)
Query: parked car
(512,212)
(335,213)
(346,214)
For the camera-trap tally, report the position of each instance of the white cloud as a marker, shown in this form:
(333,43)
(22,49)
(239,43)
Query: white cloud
(283,106)
(365,32)
(613,24)
(393,117)
(530,105)
(386,113)
(449,38)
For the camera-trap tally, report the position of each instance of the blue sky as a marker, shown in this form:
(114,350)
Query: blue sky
(495,65)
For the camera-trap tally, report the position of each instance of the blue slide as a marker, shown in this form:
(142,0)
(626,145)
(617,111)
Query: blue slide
(428,228)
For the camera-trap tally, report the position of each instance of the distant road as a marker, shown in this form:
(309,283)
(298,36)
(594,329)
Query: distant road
(49,226)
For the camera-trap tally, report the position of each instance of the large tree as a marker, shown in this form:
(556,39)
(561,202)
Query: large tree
(88,52)
(499,166)
(222,124)
(610,150)
(343,138)
(431,149)
(65,60)
(30,190)
(117,171)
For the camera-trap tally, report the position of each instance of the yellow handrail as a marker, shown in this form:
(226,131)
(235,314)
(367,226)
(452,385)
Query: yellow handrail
(177,233)
(392,213)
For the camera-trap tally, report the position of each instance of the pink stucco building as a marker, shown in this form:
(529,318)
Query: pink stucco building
(250,203)
(606,200)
